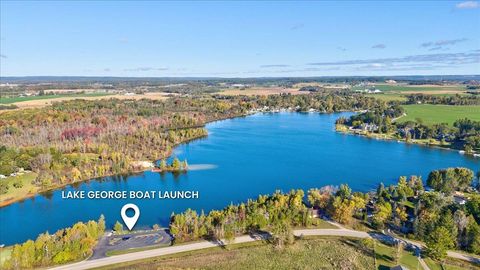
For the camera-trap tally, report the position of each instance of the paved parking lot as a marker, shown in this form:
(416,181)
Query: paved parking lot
(110,242)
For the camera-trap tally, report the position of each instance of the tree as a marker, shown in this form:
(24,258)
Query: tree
(118,227)
(383,211)
(451,179)
(318,198)
(176,164)
(344,191)
(101,224)
(342,210)
(3,187)
(438,242)
(163,164)
(282,234)
(473,236)
(398,252)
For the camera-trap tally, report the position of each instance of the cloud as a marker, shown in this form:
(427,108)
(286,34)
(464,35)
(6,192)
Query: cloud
(341,48)
(145,69)
(273,66)
(107,70)
(438,60)
(3,56)
(297,26)
(437,48)
(443,42)
(468,5)
(379,46)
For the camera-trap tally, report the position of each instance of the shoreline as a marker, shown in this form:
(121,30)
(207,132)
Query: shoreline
(385,137)
(168,154)
(345,130)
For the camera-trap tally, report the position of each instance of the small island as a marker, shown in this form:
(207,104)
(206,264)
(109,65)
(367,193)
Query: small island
(175,167)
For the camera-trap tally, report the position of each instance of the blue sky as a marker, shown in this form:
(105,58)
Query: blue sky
(239,39)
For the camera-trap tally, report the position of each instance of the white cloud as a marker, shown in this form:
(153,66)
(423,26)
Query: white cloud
(468,5)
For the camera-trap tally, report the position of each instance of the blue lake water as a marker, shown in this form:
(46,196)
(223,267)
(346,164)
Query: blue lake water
(247,156)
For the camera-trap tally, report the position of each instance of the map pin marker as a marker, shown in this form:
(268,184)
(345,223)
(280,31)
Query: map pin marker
(130,221)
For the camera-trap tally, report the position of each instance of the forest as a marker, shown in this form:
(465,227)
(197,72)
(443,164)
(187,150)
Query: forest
(66,245)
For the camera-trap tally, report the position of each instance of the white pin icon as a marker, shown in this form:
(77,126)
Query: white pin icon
(130,221)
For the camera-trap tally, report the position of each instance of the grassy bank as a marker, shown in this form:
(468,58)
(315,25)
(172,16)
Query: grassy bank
(19,187)
(303,254)
(306,253)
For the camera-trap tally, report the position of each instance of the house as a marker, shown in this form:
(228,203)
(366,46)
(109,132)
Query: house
(459,199)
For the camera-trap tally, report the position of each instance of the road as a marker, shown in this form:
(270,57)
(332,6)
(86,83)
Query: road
(88,264)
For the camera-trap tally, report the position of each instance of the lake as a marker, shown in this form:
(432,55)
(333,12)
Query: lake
(240,159)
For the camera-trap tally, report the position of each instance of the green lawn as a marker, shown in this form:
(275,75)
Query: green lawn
(434,114)
(20,99)
(386,257)
(27,187)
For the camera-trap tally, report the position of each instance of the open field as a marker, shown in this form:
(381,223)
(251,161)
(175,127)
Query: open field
(410,89)
(434,114)
(38,103)
(25,181)
(388,97)
(306,253)
(303,254)
(263,91)
(11,100)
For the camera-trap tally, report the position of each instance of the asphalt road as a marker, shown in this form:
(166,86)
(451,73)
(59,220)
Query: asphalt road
(88,264)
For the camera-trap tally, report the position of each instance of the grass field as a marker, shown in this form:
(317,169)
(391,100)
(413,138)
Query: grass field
(433,114)
(13,192)
(307,253)
(420,88)
(21,99)
(303,254)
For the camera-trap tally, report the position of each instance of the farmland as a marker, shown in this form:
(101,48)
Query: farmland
(43,101)
(10,100)
(434,114)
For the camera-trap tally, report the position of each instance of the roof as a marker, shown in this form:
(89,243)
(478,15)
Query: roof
(399,267)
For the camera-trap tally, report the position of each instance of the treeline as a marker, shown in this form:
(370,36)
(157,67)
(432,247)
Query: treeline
(175,166)
(445,100)
(464,134)
(380,121)
(82,139)
(277,213)
(430,216)
(66,245)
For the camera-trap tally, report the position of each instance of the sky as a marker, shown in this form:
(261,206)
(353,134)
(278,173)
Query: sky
(239,39)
